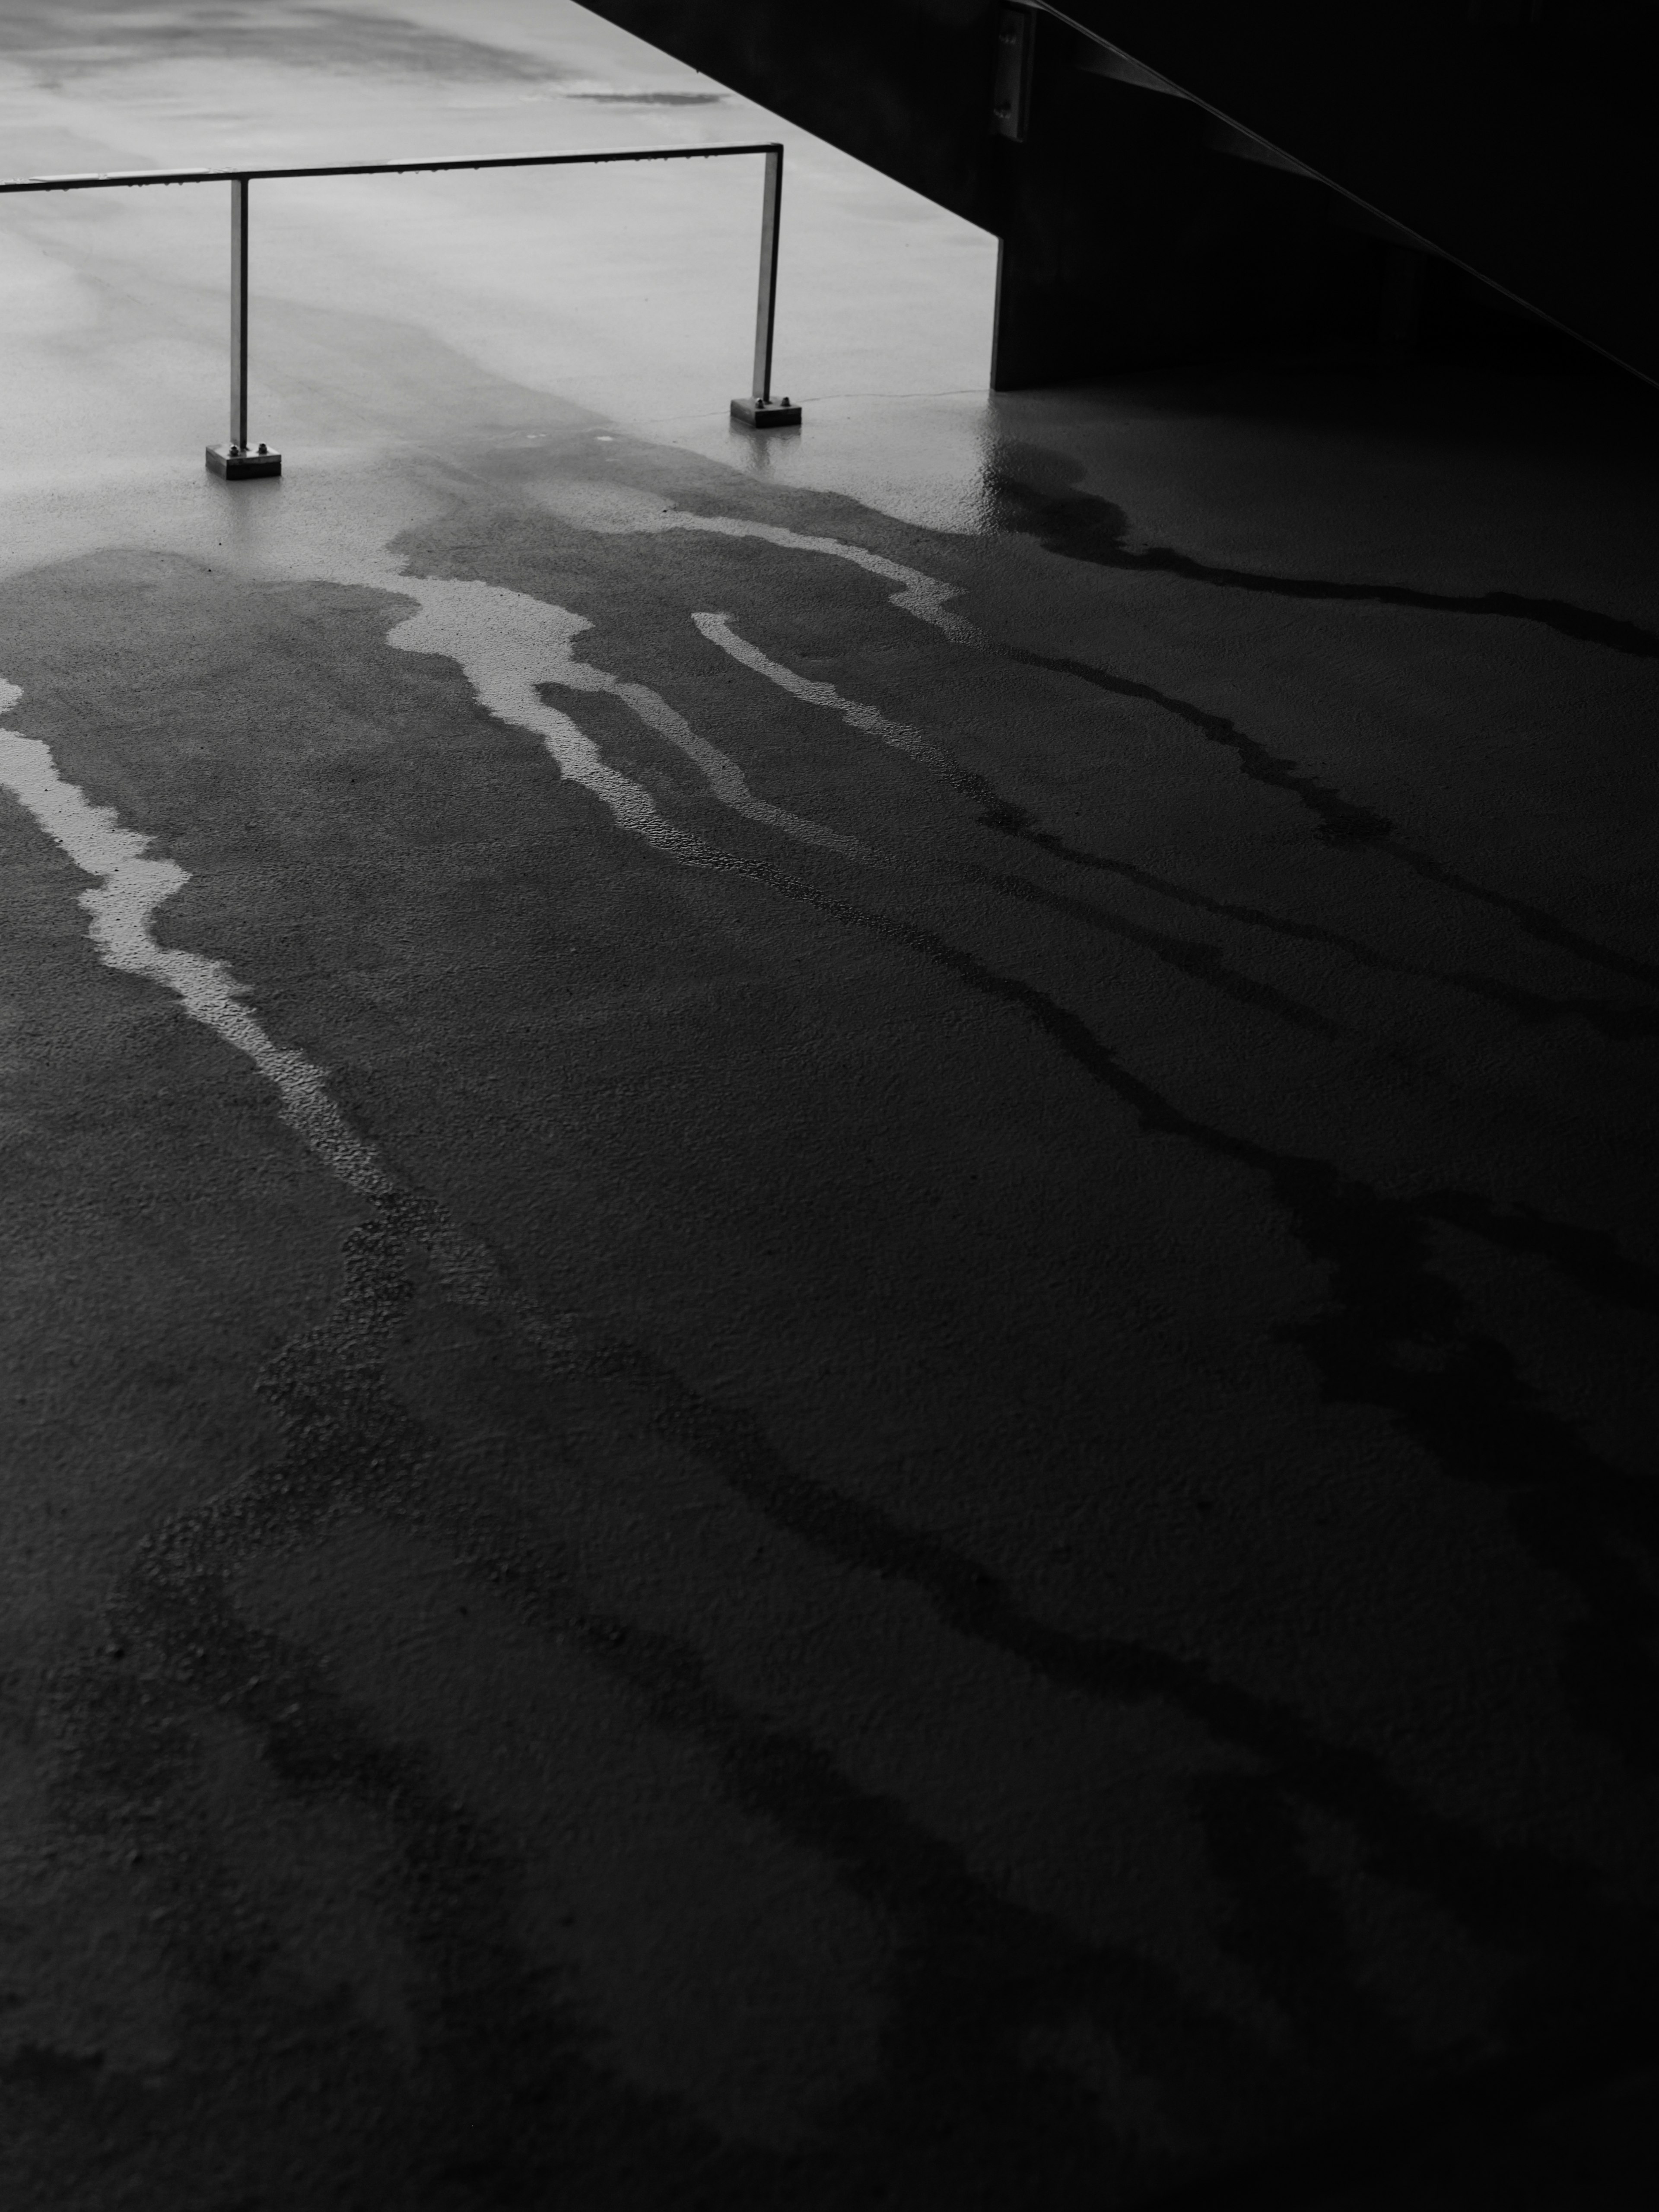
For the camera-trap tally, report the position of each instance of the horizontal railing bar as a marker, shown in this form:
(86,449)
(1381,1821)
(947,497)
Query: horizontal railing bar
(116,177)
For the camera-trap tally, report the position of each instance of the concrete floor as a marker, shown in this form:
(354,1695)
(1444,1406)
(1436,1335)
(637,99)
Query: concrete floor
(831,1265)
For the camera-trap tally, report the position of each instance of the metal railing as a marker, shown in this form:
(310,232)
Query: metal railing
(237,457)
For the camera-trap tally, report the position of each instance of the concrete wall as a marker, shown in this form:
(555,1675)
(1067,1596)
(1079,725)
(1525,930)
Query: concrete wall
(1517,135)
(1509,134)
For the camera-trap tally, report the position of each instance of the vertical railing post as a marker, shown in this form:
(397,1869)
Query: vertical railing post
(238,314)
(760,410)
(766,305)
(235,458)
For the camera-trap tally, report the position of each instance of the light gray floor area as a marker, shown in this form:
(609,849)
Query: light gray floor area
(830,1266)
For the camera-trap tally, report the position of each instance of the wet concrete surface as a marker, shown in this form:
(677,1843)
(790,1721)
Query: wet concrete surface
(830,1292)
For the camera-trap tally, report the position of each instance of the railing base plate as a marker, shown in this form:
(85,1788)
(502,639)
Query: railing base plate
(236,462)
(765,414)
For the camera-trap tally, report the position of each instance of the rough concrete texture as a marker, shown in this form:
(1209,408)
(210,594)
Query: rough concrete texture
(829,1290)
